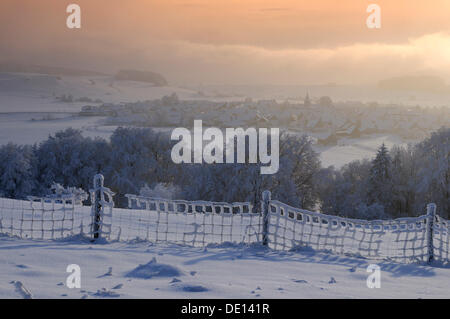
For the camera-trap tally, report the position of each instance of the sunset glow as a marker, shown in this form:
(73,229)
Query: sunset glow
(277,42)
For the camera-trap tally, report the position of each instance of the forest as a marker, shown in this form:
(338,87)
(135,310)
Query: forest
(396,182)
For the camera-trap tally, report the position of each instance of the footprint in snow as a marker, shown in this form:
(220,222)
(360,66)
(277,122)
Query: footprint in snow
(193,273)
(300,281)
(154,269)
(22,266)
(194,288)
(174,280)
(332,280)
(353,269)
(107,274)
(106,293)
(189,287)
(119,286)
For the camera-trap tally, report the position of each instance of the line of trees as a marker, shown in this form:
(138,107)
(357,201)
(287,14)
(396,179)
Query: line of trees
(397,182)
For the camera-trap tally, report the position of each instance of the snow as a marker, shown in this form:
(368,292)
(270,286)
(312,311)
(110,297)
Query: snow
(37,269)
(348,150)
(95,87)
(29,110)
(154,269)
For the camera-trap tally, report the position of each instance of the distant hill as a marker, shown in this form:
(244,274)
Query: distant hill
(414,83)
(141,76)
(40,69)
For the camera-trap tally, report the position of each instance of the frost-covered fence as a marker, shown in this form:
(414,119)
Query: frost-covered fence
(40,218)
(195,223)
(403,239)
(201,223)
(441,239)
(282,227)
(101,210)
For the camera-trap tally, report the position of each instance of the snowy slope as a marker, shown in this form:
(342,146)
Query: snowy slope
(348,150)
(105,88)
(126,270)
(30,111)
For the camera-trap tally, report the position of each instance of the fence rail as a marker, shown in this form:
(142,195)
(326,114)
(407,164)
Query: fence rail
(403,239)
(196,223)
(40,218)
(200,223)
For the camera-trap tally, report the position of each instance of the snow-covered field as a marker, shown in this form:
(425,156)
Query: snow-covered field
(29,110)
(348,150)
(143,270)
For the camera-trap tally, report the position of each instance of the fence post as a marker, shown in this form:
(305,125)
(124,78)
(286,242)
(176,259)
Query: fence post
(431,214)
(96,205)
(266,197)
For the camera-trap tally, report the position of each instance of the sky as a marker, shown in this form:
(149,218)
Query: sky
(281,42)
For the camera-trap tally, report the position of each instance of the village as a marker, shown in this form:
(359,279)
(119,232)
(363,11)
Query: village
(320,117)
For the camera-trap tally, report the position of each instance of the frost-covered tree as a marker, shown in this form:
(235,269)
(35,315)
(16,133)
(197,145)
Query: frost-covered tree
(70,159)
(371,212)
(380,182)
(343,192)
(401,182)
(17,173)
(404,176)
(292,184)
(433,154)
(138,156)
(299,165)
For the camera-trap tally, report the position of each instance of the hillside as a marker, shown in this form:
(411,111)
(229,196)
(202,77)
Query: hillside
(142,76)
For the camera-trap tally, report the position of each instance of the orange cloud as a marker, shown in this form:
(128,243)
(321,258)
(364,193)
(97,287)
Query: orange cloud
(270,41)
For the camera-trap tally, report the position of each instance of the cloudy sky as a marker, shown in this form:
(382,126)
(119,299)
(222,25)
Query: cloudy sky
(234,41)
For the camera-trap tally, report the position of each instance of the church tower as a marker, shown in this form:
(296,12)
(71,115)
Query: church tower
(307,102)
